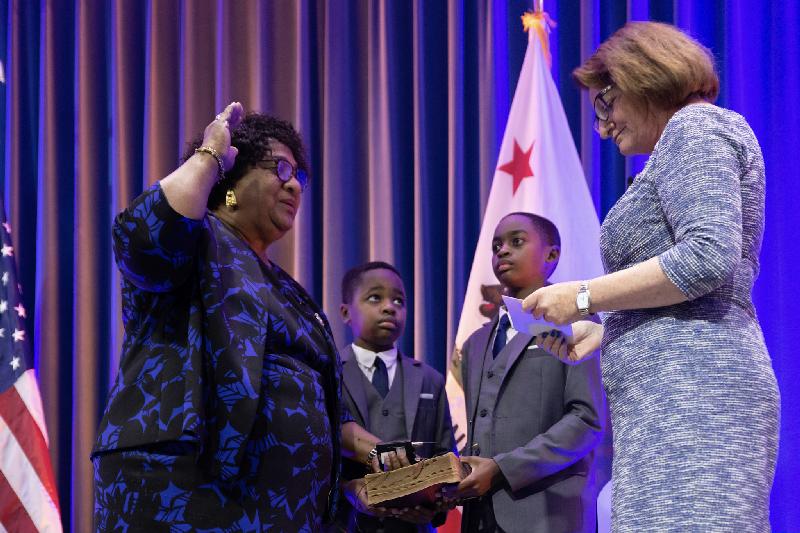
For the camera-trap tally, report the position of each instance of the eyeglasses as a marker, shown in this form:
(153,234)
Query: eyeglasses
(285,170)
(602,109)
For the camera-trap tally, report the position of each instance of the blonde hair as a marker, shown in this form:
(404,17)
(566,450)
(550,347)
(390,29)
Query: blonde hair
(655,63)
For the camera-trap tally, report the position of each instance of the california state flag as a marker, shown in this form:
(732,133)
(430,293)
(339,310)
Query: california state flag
(538,171)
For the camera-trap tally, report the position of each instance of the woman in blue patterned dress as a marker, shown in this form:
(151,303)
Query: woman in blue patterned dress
(693,397)
(225,415)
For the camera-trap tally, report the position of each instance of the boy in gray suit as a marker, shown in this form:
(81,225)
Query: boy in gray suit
(393,396)
(533,422)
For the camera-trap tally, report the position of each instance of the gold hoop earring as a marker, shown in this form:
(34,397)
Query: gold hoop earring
(230,199)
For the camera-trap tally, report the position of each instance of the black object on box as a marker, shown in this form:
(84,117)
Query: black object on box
(391,446)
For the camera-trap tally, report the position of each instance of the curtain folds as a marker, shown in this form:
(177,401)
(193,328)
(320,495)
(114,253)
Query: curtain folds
(402,105)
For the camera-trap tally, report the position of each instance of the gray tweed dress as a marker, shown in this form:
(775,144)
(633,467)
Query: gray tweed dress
(693,397)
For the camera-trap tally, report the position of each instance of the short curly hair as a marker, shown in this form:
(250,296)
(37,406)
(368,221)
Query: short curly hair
(655,63)
(353,276)
(252,138)
(543,226)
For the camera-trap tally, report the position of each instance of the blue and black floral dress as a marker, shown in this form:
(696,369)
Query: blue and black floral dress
(226,413)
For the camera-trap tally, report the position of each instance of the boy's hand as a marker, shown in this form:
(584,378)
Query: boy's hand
(555,303)
(485,474)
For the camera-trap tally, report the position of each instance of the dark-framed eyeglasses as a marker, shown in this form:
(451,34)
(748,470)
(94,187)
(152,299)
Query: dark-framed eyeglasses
(285,170)
(602,109)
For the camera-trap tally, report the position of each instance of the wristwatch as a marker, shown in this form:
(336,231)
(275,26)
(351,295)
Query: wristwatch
(583,300)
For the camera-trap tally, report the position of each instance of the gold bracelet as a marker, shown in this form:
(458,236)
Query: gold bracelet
(213,153)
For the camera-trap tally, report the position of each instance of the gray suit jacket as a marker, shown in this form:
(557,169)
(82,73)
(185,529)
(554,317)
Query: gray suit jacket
(426,409)
(546,420)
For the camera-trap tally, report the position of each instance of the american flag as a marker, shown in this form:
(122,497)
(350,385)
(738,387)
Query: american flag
(28,497)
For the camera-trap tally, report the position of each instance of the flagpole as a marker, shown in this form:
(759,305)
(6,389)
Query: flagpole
(541,23)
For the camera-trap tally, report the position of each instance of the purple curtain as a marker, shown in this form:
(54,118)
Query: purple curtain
(402,105)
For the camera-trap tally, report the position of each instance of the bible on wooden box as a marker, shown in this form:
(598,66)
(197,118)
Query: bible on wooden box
(415,484)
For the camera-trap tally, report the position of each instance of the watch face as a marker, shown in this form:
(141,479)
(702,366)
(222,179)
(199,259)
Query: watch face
(583,300)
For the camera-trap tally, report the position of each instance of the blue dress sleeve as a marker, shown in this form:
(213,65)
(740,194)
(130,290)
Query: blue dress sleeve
(697,180)
(347,416)
(155,246)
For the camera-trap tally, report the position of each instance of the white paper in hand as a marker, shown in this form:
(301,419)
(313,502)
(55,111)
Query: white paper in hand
(525,322)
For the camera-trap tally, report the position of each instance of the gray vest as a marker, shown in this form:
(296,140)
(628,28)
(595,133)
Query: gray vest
(387,417)
(491,379)
(387,420)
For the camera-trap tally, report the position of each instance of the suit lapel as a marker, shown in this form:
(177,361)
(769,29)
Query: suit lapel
(412,386)
(481,345)
(513,350)
(352,376)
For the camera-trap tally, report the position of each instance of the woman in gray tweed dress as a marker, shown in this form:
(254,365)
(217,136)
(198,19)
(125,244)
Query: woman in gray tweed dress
(693,397)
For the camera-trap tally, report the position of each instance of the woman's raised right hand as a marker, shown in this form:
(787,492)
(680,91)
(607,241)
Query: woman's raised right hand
(217,135)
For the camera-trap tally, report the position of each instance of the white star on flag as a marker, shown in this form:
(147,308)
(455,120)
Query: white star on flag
(28,493)
(7,226)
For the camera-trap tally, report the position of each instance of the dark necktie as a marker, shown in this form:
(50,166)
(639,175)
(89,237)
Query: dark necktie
(380,378)
(500,335)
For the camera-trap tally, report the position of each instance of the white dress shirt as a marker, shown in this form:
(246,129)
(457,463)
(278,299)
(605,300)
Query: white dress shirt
(366,361)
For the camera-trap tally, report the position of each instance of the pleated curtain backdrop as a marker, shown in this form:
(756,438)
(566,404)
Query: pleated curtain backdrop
(402,105)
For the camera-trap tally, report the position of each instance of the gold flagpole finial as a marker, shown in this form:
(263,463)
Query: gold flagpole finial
(540,22)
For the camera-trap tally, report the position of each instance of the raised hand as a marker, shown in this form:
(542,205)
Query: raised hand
(217,134)
(188,186)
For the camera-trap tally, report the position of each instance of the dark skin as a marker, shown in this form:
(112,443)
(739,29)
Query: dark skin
(377,317)
(265,212)
(377,313)
(522,261)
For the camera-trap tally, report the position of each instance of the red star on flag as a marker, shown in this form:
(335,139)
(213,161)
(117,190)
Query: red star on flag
(520,166)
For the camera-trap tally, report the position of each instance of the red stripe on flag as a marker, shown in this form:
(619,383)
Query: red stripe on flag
(452,524)
(30,438)
(13,515)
